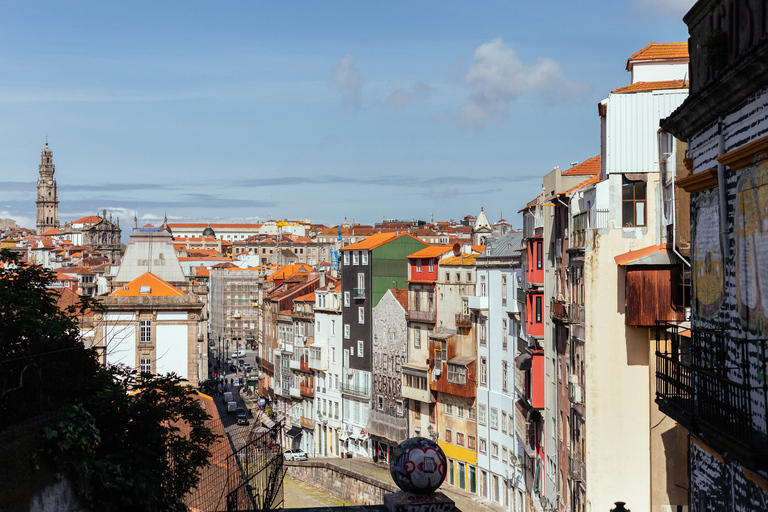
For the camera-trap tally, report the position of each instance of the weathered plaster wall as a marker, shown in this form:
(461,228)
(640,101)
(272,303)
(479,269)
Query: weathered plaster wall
(343,483)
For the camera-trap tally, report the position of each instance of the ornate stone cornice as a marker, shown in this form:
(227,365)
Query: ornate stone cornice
(745,155)
(700,181)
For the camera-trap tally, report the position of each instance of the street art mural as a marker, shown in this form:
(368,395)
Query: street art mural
(751,244)
(709,282)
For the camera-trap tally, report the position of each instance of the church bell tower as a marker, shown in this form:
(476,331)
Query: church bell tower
(47,200)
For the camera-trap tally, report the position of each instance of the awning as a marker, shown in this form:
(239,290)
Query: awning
(269,423)
(523,361)
(260,430)
(343,437)
(441,336)
(364,437)
(655,255)
(461,360)
(415,370)
(293,431)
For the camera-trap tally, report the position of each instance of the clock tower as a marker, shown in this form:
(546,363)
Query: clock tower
(47,200)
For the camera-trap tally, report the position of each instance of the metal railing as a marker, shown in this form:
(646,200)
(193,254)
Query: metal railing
(708,381)
(356,389)
(463,320)
(358,293)
(421,316)
(558,310)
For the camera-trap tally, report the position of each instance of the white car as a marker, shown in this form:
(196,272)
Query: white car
(295,455)
(238,354)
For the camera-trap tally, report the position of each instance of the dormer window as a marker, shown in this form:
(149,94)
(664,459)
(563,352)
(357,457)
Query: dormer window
(145,290)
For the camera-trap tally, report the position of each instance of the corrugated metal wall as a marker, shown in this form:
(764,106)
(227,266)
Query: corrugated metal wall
(632,123)
(389,264)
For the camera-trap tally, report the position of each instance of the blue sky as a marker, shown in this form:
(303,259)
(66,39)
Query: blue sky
(308,109)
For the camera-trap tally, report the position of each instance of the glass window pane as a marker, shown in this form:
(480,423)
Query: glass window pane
(640,213)
(627,190)
(627,214)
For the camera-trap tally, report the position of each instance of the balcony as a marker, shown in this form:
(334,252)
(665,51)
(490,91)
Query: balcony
(307,391)
(576,313)
(267,366)
(294,364)
(576,470)
(477,303)
(299,341)
(304,314)
(558,310)
(356,389)
(520,294)
(304,364)
(703,383)
(463,320)
(294,392)
(421,316)
(358,293)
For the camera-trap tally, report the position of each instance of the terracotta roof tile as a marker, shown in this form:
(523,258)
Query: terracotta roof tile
(401,296)
(590,166)
(310,297)
(660,51)
(371,242)
(433,251)
(461,259)
(652,86)
(594,179)
(156,286)
(90,219)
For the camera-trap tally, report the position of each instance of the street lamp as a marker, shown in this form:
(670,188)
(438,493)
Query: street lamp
(431,431)
(620,507)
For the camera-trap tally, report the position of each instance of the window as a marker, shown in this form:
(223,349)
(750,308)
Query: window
(431,265)
(632,203)
(333,354)
(361,280)
(418,265)
(399,407)
(503,289)
(364,255)
(471,443)
(359,348)
(539,256)
(447,277)
(483,445)
(482,330)
(346,331)
(471,413)
(336,409)
(482,286)
(504,421)
(145,327)
(352,350)
(483,371)
(495,450)
(145,365)
(360,315)
(417,337)
(494,418)
(346,258)
(356,258)
(346,299)
(458,277)
(538,309)
(448,408)
(504,334)
(459,410)
(460,438)
(448,436)
(457,374)
(469,277)
(381,403)
(504,453)
(504,376)
(481,414)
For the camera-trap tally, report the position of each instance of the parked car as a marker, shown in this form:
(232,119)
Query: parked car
(231,407)
(242,416)
(232,368)
(229,360)
(239,353)
(247,367)
(295,455)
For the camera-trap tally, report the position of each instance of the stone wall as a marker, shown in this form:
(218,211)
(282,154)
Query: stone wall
(343,483)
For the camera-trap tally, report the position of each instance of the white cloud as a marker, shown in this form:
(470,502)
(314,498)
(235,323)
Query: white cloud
(402,98)
(664,8)
(21,220)
(348,80)
(497,77)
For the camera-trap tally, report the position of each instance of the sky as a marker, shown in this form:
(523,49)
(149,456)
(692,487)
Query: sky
(320,110)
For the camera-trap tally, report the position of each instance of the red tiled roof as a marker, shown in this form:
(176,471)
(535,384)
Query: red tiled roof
(590,166)
(433,251)
(660,51)
(401,296)
(52,231)
(310,297)
(594,179)
(157,287)
(371,242)
(214,226)
(652,86)
(90,219)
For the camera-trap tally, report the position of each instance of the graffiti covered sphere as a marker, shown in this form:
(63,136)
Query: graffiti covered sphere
(418,465)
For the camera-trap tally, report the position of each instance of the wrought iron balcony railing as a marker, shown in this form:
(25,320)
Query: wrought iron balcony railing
(709,382)
(558,310)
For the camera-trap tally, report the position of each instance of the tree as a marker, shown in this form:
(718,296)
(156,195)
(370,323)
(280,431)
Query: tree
(126,441)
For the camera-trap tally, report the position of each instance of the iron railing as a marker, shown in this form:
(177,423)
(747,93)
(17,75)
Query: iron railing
(421,316)
(709,381)
(558,310)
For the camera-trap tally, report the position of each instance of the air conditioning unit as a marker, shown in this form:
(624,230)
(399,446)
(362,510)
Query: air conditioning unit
(575,393)
(436,372)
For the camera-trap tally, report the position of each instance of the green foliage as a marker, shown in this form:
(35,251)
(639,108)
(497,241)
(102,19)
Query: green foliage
(126,441)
